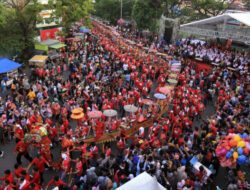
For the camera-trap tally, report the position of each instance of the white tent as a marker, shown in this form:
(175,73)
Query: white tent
(144,181)
(243,17)
(230,25)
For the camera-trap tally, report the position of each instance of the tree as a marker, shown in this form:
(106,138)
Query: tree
(72,11)
(20,25)
(146,14)
(108,10)
(111,9)
(201,9)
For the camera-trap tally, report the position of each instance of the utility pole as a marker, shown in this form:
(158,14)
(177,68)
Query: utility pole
(121,8)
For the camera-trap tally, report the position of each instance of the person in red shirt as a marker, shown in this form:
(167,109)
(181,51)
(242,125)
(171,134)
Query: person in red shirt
(18,133)
(6,186)
(22,150)
(8,176)
(56,182)
(39,162)
(176,132)
(78,169)
(23,184)
(36,176)
(18,170)
(34,186)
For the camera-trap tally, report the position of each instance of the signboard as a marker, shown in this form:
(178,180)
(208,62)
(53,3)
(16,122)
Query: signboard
(49,34)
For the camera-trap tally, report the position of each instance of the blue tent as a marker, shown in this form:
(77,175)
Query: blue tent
(175,61)
(7,65)
(84,31)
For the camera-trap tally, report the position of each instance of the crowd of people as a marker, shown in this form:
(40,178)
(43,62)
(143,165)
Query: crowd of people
(97,73)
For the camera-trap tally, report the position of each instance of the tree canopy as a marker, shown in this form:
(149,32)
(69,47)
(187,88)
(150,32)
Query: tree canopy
(146,14)
(17,23)
(110,10)
(72,11)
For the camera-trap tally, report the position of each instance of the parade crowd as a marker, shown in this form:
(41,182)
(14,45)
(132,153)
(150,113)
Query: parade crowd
(95,74)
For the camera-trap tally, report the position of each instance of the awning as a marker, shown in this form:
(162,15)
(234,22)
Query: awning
(7,65)
(57,46)
(49,42)
(38,58)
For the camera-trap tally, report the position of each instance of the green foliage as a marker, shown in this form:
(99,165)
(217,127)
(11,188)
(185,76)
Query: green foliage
(201,9)
(11,41)
(108,10)
(72,11)
(146,14)
(18,20)
(111,9)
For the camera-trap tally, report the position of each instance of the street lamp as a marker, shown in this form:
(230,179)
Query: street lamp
(121,8)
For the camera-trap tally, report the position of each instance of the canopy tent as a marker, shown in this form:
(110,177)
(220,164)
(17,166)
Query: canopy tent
(38,60)
(45,45)
(7,65)
(57,46)
(144,181)
(242,17)
(230,25)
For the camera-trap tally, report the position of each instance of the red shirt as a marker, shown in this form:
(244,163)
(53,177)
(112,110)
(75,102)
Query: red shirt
(39,163)
(176,132)
(19,133)
(36,178)
(18,171)
(58,183)
(79,168)
(22,147)
(9,177)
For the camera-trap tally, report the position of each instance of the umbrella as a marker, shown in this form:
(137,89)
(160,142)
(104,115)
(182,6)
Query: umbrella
(77,116)
(175,69)
(174,61)
(110,113)
(77,34)
(77,113)
(173,75)
(130,108)
(147,101)
(160,96)
(176,64)
(153,50)
(95,114)
(172,81)
(165,90)
(84,31)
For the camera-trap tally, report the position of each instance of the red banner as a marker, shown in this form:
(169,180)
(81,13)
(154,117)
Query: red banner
(49,34)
